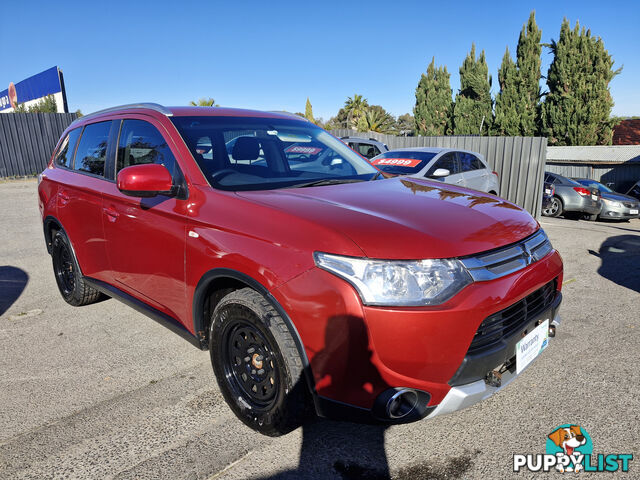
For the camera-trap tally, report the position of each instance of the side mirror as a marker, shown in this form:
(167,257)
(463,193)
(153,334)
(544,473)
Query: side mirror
(440,173)
(146,180)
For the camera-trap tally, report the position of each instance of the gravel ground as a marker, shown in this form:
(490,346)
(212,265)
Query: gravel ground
(104,392)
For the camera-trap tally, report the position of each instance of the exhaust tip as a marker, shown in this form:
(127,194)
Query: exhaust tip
(402,403)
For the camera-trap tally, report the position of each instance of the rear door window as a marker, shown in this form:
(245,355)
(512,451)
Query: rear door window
(64,158)
(141,143)
(469,162)
(92,149)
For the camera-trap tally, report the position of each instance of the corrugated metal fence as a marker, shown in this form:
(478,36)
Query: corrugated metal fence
(519,161)
(28,139)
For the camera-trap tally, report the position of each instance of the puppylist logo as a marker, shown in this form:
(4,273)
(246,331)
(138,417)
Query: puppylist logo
(569,449)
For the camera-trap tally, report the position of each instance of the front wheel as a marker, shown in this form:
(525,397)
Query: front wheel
(257,364)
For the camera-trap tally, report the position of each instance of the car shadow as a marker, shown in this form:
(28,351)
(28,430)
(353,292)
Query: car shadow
(342,449)
(620,256)
(13,280)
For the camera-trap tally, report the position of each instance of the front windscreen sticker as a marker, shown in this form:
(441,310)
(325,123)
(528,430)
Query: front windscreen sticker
(303,149)
(397,162)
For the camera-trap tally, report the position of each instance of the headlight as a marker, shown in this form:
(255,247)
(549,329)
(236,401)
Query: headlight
(612,203)
(398,282)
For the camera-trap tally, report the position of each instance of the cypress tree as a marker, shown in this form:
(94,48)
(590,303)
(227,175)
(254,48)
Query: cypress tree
(528,62)
(308,111)
(473,108)
(577,109)
(432,113)
(508,101)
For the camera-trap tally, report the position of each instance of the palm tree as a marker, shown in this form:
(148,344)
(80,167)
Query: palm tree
(204,102)
(355,107)
(376,120)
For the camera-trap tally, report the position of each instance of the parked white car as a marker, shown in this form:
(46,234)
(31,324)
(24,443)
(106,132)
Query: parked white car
(458,167)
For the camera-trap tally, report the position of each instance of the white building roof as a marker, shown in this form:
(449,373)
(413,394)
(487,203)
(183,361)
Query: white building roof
(600,153)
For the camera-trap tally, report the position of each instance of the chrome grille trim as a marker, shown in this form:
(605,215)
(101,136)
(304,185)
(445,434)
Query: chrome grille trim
(505,261)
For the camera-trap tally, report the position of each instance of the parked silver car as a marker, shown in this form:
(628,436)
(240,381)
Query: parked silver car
(367,147)
(615,206)
(571,196)
(458,167)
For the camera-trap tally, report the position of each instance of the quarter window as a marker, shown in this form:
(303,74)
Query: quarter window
(64,158)
(92,149)
(141,143)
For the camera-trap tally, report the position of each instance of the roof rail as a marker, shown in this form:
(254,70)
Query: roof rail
(151,106)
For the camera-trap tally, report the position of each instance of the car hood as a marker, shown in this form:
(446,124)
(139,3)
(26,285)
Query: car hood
(405,218)
(619,197)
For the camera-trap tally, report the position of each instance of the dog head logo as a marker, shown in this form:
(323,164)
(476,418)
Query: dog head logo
(568,438)
(570,443)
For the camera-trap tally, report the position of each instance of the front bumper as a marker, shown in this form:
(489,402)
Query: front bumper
(619,213)
(463,396)
(358,353)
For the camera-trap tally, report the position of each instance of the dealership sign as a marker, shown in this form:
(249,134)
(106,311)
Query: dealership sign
(32,89)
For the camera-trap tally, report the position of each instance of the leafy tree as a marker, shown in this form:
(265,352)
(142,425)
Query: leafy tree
(434,106)
(528,62)
(508,101)
(308,111)
(376,119)
(577,109)
(204,102)
(405,125)
(473,109)
(355,108)
(45,105)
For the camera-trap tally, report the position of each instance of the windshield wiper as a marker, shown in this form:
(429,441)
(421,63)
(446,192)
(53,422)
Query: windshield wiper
(326,181)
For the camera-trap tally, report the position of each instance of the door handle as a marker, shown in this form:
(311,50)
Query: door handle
(111,213)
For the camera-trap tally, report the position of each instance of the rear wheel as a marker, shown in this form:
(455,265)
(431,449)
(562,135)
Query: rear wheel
(72,286)
(257,364)
(555,208)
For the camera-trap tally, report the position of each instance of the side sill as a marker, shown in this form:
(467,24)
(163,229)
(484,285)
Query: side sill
(162,318)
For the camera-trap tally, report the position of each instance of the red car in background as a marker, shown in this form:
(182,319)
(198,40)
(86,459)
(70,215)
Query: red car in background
(310,278)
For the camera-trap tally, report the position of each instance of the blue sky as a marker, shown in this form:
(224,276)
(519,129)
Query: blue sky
(272,55)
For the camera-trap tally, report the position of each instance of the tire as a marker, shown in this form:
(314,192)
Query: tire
(555,209)
(247,337)
(70,282)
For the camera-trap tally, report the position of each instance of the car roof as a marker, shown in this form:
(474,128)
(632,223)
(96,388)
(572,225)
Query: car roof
(433,150)
(186,112)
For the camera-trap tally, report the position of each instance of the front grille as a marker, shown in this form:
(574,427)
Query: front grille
(507,260)
(630,205)
(505,322)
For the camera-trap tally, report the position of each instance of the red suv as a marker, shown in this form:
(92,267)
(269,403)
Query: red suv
(311,279)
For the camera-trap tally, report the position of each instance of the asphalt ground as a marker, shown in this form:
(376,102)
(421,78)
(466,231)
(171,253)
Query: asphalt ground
(104,392)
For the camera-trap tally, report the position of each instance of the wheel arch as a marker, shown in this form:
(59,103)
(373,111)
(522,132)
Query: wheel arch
(214,285)
(51,225)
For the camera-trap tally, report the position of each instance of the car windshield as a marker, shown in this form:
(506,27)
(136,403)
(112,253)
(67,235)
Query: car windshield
(253,153)
(598,185)
(402,162)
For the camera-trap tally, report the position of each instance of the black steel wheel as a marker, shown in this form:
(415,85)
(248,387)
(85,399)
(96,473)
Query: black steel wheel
(72,286)
(250,364)
(257,364)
